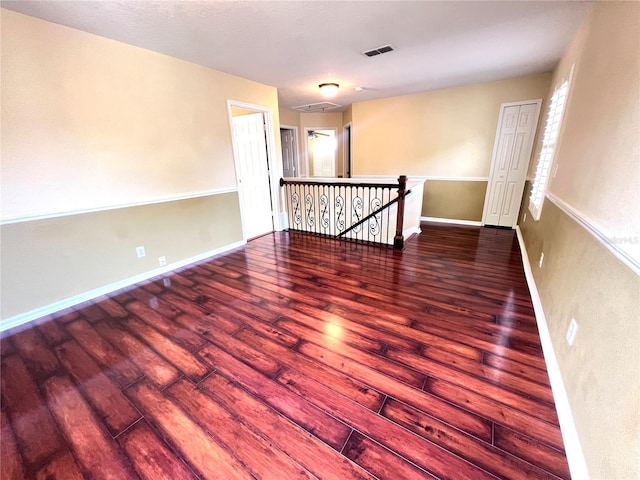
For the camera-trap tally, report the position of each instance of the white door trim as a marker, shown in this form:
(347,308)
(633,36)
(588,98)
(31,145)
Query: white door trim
(297,144)
(347,148)
(275,168)
(503,107)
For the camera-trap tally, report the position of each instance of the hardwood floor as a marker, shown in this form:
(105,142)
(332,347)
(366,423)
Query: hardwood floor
(293,357)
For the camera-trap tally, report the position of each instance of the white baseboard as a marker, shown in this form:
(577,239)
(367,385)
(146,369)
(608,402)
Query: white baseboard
(573,449)
(451,220)
(26,317)
(411,231)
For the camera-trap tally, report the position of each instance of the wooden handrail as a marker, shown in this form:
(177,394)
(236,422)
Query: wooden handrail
(284,182)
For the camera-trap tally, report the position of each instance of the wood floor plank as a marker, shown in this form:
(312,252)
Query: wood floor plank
(291,406)
(6,346)
(533,451)
(11,466)
(208,458)
(93,313)
(357,391)
(36,353)
(482,454)
(121,369)
(95,450)
(113,408)
(404,331)
(181,358)
(516,368)
(33,426)
(68,315)
(213,297)
(488,373)
(333,340)
(327,334)
(256,453)
(151,457)
(520,401)
(200,319)
(440,462)
(172,330)
(155,368)
(259,361)
(62,467)
(432,405)
(110,307)
(316,456)
(496,411)
(52,331)
(376,333)
(382,462)
(163,308)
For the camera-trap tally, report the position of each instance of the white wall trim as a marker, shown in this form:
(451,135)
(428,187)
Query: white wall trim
(23,318)
(599,235)
(573,449)
(451,220)
(175,198)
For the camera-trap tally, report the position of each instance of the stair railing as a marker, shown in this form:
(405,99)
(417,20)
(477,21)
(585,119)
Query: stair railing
(370,213)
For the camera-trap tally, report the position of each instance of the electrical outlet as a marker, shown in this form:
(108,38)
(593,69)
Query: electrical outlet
(571,331)
(541,260)
(140,251)
(162,261)
(166,282)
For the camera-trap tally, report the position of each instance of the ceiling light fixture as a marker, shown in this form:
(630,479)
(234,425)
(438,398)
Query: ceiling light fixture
(329,89)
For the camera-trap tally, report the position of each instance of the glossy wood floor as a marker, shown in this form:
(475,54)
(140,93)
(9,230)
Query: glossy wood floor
(294,357)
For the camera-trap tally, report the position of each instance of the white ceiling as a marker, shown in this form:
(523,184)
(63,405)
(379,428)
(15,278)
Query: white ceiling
(296,45)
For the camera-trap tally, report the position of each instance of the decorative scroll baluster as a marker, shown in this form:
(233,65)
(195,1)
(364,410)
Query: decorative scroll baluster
(358,212)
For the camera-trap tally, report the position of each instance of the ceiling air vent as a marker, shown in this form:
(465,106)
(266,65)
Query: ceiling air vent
(317,107)
(378,51)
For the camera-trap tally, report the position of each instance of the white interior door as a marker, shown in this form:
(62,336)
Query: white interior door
(253,174)
(288,142)
(512,152)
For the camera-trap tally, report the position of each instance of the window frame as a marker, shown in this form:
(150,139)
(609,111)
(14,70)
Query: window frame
(549,146)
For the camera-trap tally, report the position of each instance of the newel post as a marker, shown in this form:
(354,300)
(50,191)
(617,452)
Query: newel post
(398,240)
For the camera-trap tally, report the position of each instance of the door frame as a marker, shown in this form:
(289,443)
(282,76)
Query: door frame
(297,144)
(347,140)
(275,169)
(503,107)
(306,147)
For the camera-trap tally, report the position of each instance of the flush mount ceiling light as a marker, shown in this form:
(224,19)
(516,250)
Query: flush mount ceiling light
(329,89)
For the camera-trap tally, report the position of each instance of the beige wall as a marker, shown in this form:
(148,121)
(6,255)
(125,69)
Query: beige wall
(441,133)
(444,133)
(604,100)
(48,261)
(347,115)
(452,199)
(598,178)
(289,117)
(90,123)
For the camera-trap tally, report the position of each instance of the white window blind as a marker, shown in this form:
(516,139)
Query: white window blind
(549,140)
